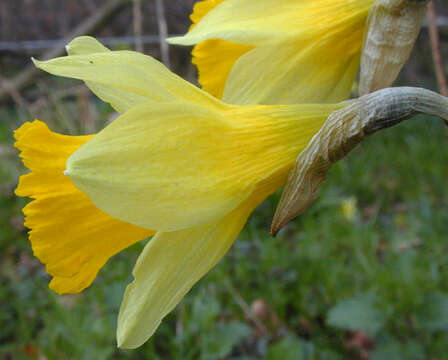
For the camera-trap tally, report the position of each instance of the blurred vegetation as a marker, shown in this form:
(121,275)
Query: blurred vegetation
(362,275)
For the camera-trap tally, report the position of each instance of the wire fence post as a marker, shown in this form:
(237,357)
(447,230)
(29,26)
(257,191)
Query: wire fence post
(163,32)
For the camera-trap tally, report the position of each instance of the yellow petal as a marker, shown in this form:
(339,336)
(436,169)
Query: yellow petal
(85,45)
(213,70)
(168,267)
(72,237)
(305,51)
(243,21)
(253,22)
(123,78)
(175,166)
(293,73)
(202,8)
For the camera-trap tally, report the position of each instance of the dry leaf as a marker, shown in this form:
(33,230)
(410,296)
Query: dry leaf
(393,27)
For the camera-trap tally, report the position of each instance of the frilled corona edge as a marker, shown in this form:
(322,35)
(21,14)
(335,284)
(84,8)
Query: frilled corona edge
(343,130)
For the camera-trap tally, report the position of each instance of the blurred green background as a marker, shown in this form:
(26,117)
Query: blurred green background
(363,274)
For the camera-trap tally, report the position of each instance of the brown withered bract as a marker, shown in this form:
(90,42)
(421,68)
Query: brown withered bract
(393,27)
(344,129)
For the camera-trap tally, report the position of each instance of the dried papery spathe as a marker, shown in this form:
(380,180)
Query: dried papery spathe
(344,129)
(393,27)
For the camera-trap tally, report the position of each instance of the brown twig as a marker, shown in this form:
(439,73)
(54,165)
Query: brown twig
(88,114)
(26,76)
(23,107)
(163,32)
(245,307)
(42,101)
(435,47)
(138,24)
(15,95)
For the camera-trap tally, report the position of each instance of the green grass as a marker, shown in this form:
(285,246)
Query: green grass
(330,285)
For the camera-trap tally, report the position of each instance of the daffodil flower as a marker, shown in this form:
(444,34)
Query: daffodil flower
(177,164)
(277,51)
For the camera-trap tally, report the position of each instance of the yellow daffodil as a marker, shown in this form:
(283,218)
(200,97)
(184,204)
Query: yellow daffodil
(177,163)
(277,51)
